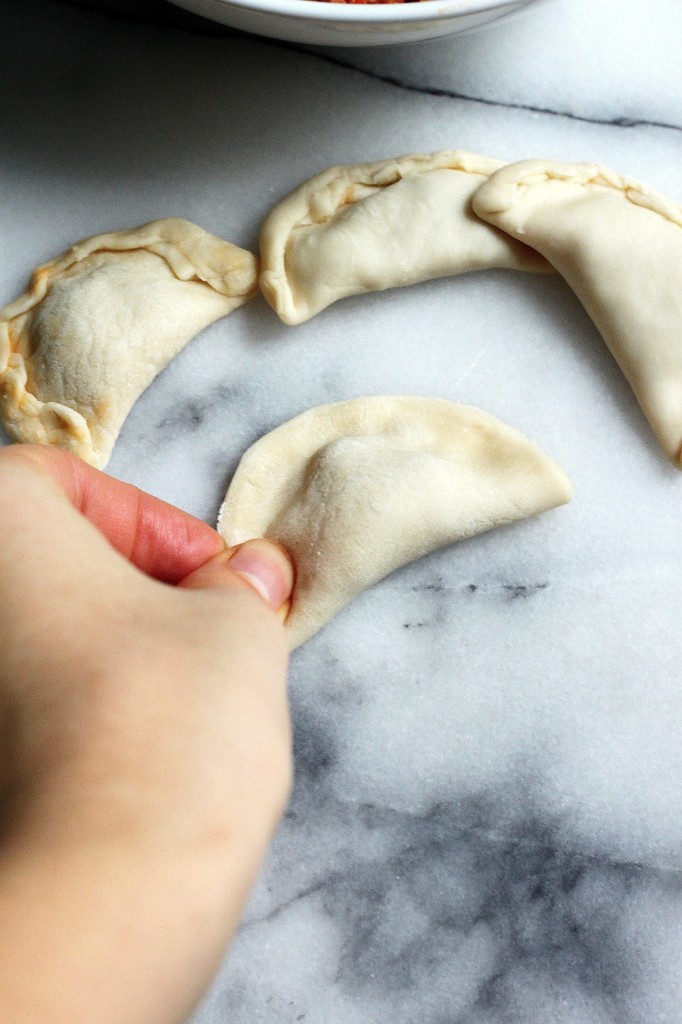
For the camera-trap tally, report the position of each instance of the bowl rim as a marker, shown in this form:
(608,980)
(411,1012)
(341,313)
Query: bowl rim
(363,13)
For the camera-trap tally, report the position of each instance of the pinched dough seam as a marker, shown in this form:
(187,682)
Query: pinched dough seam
(26,417)
(381,174)
(29,419)
(634,191)
(331,184)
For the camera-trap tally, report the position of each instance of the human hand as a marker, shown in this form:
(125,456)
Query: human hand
(144,742)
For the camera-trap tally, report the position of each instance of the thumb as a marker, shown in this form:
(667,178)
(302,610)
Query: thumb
(261,565)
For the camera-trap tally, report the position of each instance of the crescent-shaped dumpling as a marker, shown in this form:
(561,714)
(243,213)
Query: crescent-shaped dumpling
(98,323)
(618,244)
(356,489)
(371,226)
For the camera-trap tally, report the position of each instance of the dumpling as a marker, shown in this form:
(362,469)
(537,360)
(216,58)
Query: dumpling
(372,226)
(356,489)
(619,246)
(97,324)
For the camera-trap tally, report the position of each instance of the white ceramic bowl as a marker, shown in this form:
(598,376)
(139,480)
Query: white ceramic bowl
(336,24)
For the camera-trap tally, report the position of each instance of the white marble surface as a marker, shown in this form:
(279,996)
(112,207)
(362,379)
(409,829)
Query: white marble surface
(487,821)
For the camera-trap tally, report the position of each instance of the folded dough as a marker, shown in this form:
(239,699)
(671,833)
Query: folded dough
(98,323)
(355,489)
(372,226)
(619,245)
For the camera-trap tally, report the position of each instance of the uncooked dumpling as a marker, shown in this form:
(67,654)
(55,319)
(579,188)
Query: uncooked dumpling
(99,322)
(619,246)
(356,489)
(371,226)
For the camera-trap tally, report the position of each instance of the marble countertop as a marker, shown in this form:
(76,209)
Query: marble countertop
(486,826)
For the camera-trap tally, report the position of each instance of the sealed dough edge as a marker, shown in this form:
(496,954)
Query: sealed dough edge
(317,200)
(501,192)
(618,244)
(355,489)
(191,254)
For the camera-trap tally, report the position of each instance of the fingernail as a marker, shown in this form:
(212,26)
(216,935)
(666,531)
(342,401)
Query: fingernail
(267,568)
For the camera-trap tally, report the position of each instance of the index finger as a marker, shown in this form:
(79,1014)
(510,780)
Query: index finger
(161,540)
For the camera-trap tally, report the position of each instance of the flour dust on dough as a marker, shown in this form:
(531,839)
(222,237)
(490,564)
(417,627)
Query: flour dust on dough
(97,324)
(356,489)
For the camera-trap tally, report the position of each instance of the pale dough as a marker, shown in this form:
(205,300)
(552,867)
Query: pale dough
(618,244)
(97,324)
(378,225)
(355,489)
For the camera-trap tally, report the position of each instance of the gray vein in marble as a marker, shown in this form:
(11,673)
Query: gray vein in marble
(475,904)
(486,822)
(434,614)
(618,122)
(200,26)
